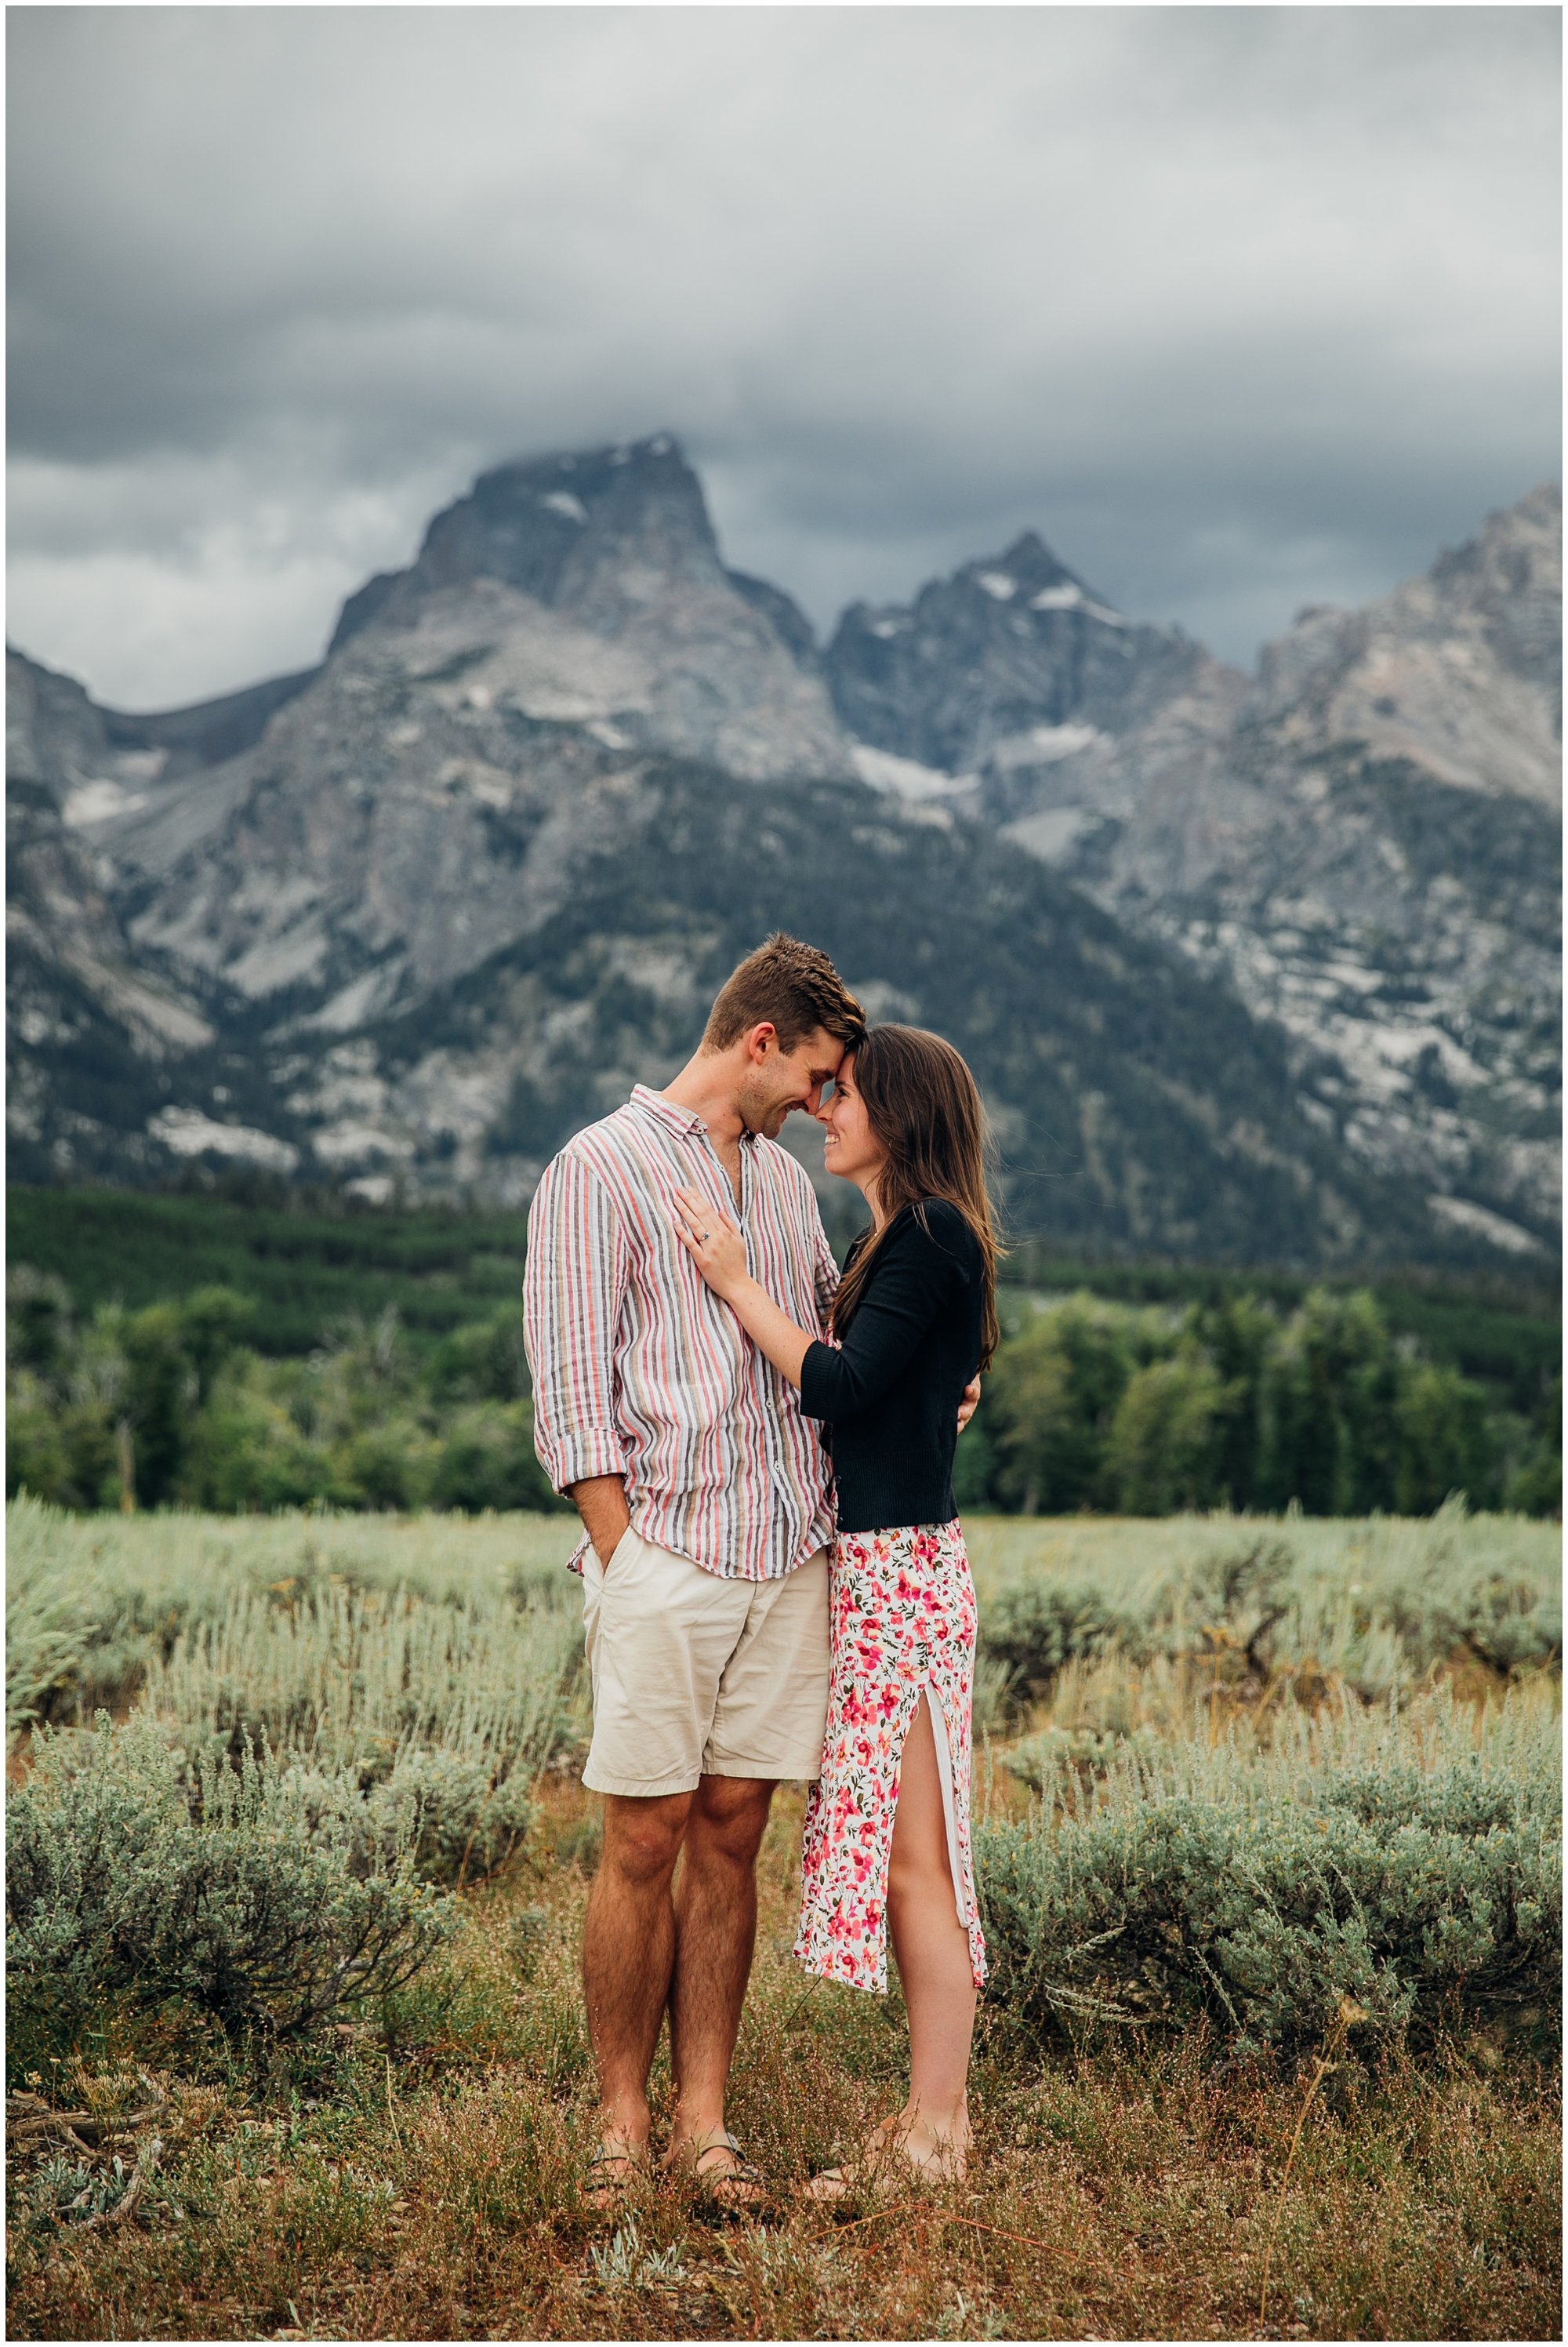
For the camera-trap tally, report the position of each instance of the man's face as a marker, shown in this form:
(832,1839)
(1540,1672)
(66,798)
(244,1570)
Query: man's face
(780,1081)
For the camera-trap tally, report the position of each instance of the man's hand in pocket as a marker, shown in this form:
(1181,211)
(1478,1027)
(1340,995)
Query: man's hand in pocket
(600,1502)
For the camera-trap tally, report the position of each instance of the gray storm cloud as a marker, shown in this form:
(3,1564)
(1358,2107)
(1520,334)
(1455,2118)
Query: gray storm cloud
(1242,308)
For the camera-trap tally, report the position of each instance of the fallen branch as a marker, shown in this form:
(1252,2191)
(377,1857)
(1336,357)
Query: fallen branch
(133,2191)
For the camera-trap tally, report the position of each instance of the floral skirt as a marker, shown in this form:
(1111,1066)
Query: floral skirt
(903,1621)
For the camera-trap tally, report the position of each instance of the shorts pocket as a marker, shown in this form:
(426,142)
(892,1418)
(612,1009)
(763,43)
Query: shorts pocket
(613,1573)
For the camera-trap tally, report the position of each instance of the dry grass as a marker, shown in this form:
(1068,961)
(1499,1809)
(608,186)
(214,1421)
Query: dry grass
(425,2180)
(422,2175)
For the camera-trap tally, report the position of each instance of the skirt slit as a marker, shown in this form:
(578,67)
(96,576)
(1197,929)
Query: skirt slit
(943,1741)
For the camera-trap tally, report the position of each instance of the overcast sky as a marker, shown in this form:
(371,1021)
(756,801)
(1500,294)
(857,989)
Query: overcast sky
(1241,308)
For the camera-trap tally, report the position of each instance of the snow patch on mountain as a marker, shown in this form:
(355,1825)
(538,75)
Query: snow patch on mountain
(1463,1213)
(191,1134)
(905,778)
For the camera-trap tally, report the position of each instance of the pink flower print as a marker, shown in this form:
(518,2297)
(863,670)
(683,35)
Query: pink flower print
(903,1621)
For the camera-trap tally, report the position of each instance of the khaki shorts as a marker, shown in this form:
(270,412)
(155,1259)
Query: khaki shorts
(694,1676)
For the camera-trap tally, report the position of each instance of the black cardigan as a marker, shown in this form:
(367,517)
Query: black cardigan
(892,1393)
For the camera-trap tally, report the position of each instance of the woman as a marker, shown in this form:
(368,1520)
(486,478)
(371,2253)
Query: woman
(887,1824)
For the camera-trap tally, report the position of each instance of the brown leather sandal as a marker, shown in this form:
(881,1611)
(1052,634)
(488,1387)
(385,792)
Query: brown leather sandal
(737,2191)
(605,2193)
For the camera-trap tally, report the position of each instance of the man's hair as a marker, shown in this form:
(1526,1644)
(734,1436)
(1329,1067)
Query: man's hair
(795,988)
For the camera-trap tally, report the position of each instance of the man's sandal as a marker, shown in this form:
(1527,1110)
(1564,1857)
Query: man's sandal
(612,2173)
(738,2190)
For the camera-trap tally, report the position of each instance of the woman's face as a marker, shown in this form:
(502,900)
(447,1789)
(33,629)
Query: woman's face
(851,1149)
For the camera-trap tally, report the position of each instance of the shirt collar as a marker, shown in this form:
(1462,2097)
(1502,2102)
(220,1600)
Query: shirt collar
(672,1117)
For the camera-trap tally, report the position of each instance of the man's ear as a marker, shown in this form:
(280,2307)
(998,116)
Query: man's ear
(761,1036)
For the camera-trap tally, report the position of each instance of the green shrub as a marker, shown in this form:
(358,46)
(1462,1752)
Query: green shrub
(1034,1628)
(49,1623)
(1383,1869)
(62,2192)
(120,1589)
(442,1712)
(1258,1603)
(1225,1600)
(139,1869)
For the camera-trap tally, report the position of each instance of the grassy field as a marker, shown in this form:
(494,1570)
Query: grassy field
(1353,2153)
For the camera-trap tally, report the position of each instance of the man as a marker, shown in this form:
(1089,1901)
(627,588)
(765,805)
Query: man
(706,1501)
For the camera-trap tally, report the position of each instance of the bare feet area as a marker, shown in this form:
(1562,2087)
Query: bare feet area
(902,2148)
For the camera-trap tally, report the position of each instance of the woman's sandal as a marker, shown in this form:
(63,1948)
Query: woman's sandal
(880,2176)
(833,2187)
(736,2191)
(829,2186)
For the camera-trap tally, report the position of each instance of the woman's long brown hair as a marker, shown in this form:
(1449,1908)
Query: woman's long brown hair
(924,1106)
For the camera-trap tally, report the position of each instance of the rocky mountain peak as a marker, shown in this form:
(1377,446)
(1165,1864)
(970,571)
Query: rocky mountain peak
(1364,844)
(1004,659)
(597,533)
(1458,674)
(573,530)
(585,587)
(1509,576)
(1027,568)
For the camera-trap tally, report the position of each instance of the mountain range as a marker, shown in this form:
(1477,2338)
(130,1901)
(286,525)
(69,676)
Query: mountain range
(1260,967)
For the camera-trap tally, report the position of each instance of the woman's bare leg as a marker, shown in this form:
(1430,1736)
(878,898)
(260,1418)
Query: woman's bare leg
(932,2130)
(932,1952)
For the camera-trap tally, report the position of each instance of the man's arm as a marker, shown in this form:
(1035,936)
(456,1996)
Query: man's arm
(573,1282)
(600,1502)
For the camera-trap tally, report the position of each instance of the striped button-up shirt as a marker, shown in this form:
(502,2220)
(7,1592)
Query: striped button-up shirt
(640,1371)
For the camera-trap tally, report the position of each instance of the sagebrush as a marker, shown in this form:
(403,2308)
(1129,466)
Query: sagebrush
(165,1875)
(445,1711)
(1372,1870)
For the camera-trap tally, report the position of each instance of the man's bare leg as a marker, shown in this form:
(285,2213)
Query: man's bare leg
(628,1956)
(715,1931)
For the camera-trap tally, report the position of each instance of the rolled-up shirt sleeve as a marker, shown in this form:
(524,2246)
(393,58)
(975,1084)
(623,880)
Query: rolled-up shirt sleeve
(574,1278)
(901,1300)
(826,1274)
